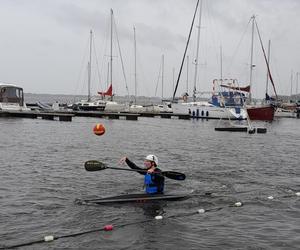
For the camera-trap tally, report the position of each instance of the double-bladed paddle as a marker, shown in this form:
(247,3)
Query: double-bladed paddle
(94,165)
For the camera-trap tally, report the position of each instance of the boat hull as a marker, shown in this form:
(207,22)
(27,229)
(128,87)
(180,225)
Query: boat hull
(138,198)
(261,113)
(209,111)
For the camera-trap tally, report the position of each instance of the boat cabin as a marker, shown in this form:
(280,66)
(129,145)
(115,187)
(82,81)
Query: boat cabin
(11,97)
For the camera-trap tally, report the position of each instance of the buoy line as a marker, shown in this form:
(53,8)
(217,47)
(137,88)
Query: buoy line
(49,238)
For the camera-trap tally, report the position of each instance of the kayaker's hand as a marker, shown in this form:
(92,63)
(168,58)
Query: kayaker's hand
(151,170)
(122,160)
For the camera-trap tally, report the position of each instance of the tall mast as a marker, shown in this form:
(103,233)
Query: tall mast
(267,82)
(135,81)
(173,82)
(251,59)
(197,52)
(187,74)
(162,76)
(221,64)
(111,46)
(292,73)
(297,74)
(90,67)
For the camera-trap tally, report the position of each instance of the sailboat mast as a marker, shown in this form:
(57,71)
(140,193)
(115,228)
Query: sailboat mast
(251,58)
(90,67)
(221,64)
(135,81)
(267,82)
(162,76)
(187,74)
(197,51)
(292,73)
(111,46)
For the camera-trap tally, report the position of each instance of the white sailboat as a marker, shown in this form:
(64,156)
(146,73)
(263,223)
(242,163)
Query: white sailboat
(111,105)
(91,104)
(135,108)
(204,109)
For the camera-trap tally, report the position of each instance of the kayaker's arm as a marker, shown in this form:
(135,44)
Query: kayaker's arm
(133,166)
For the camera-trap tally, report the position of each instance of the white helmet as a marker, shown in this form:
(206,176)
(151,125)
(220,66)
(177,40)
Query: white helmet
(152,158)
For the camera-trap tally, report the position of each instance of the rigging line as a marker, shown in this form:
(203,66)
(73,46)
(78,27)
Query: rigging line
(186,47)
(121,58)
(238,46)
(160,69)
(266,60)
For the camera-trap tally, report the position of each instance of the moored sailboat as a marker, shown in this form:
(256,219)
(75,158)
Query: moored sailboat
(265,111)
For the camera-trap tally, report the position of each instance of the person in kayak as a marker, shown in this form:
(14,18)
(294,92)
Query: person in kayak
(154,182)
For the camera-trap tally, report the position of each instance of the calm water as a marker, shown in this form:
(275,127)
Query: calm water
(42,175)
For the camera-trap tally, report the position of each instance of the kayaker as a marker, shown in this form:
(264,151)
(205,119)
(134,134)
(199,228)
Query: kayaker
(153,182)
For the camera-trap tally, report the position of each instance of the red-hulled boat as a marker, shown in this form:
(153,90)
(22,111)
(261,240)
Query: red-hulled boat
(262,112)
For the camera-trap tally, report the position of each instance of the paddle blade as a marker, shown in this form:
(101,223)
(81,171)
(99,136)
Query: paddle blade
(174,175)
(94,165)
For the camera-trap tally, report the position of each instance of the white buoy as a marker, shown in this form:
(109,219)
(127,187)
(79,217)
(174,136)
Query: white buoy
(201,211)
(49,238)
(271,197)
(298,193)
(238,204)
(158,217)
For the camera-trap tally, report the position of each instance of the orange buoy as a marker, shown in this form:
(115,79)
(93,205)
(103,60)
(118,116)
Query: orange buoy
(99,129)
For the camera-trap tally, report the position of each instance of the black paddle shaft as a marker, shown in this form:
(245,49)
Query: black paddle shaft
(97,166)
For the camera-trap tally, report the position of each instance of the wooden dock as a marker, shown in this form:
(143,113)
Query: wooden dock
(109,115)
(68,115)
(35,114)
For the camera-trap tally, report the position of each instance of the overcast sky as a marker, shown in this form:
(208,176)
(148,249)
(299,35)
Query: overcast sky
(44,44)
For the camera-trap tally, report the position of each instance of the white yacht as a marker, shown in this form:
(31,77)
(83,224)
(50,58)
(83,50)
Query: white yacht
(12,98)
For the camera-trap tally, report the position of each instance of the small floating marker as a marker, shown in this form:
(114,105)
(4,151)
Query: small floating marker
(158,217)
(99,129)
(238,204)
(201,211)
(270,197)
(298,193)
(108,227)
(49,238)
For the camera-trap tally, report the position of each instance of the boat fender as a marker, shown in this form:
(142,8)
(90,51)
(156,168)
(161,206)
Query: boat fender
(207,113)
(48,238)
(201,211)
(108,227)
(202,113)
(238,204)
(158,217)
(197,113)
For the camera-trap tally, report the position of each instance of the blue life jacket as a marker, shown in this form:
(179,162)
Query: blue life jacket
(151,187)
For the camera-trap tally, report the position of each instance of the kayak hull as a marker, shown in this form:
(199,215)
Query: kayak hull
(138,198)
